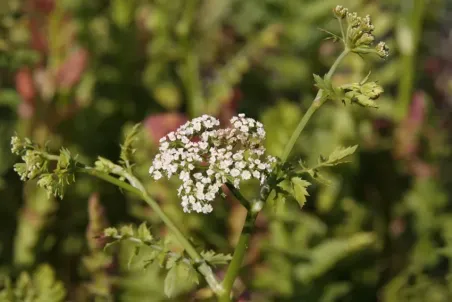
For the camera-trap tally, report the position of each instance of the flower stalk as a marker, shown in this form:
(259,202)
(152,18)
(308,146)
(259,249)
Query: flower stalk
(238,256)
(319,100)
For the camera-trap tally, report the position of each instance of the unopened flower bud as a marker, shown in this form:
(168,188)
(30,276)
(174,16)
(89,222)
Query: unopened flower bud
(382,50)
(353,19)
(365,39)
(366,24)
(16,145)
(340,11)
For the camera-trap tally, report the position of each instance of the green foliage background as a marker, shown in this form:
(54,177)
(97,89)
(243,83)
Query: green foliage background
(80,73)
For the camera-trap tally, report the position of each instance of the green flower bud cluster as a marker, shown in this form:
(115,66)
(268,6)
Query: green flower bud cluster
(359,31)
(358,36)
(36,164)
(55,183)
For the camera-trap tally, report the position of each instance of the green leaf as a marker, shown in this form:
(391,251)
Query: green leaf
(364,101)
(161,257)
(127,149)
(110,244)
(126,231)
(322,259)
(135,253)
(187,273)
(42,286)
(320,82)
(179,276)
(110,232)
(143,233)
(171,282)
(216,259)
(172,260)
(280,203)
(339,154)
(300,190)
(285,186)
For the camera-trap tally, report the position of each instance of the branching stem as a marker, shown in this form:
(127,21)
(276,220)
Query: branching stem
(319,100)
(202,267)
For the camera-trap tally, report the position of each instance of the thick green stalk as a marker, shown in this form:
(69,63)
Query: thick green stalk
(316,104)
(409,59)
(239,254)
(202,267)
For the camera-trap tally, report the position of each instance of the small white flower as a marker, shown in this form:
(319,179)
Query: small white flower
(237,156)
(240,165)
(246,175)
(157,175)
(235,172)
(200,195)
(164,146)
(203,145)
(207,209)
(244,128)
(210,196)
(172,136)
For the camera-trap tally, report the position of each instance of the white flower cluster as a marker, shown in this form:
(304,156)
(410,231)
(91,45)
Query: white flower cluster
(205,157)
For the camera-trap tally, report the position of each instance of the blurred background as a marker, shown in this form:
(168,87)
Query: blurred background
(79,73)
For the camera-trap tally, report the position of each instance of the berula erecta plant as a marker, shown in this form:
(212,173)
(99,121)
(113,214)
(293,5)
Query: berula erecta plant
(211,162)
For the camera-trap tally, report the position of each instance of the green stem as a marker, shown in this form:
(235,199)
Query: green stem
(237,258)
(316,104)
(409,60)
(239,196)
(50,156)
(203,268)
(344,38)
